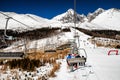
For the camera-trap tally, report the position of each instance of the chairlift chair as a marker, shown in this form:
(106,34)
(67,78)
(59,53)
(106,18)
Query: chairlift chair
(6,37)
(50,48)
(49,51)
(11,55)
(59,48)
(79,61)
(69,43)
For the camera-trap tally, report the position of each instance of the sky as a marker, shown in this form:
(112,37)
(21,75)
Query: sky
(51,8)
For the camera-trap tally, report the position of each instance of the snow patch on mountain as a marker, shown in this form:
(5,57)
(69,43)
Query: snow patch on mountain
(90,26)
(30,20)
(93,15)
(37,18)
(110,19)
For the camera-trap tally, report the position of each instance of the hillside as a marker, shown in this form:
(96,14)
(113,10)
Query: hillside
(68,17)
(100,19)
(101,23)
(110,19)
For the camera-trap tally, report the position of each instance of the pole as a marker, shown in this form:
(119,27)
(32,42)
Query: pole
(75,13)
(6,26)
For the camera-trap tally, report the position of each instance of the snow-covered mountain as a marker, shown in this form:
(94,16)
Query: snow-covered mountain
(103,20)
(31,21)
(68,17)
(37,18)
(93,15)
(100,19)
(109,19)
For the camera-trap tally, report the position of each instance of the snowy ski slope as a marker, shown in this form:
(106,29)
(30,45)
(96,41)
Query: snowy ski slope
(99,65)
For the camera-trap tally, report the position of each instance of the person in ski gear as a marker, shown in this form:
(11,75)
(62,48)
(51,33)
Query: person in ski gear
(69,56)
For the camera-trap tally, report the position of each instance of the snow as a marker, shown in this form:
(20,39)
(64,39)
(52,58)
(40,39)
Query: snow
(91,26)
(32,21)
(106,67)
(99,65)
(70,11)
(99,10)
(103,19)
(110,19)
(40,44)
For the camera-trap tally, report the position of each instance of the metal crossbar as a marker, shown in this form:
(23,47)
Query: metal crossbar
(76,60)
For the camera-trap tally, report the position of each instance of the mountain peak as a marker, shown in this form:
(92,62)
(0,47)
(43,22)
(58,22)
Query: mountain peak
(114,10)
(68,17)
(109,19)
(70,11)
(93,15)
(99,10)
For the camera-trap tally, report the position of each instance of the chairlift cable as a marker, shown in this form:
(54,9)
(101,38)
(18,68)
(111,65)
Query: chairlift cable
(16,20)
(8,18)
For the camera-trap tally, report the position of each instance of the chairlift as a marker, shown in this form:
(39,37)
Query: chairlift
(10,38)
(11,55)
(63,46)
(50,51)
(50,48)
(70,43)
(82,56)
(59,48)
(78,60)
(6,37)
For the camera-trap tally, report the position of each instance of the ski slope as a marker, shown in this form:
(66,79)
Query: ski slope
(99,65)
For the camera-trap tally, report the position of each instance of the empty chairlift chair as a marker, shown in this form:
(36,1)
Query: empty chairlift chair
(50,48)
(11,55)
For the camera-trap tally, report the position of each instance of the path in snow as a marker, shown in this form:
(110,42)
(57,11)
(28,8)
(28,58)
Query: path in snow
(103,67)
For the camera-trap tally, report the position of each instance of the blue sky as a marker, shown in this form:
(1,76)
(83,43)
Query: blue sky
(51,8)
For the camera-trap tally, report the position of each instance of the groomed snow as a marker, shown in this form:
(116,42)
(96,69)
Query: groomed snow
(99,65)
